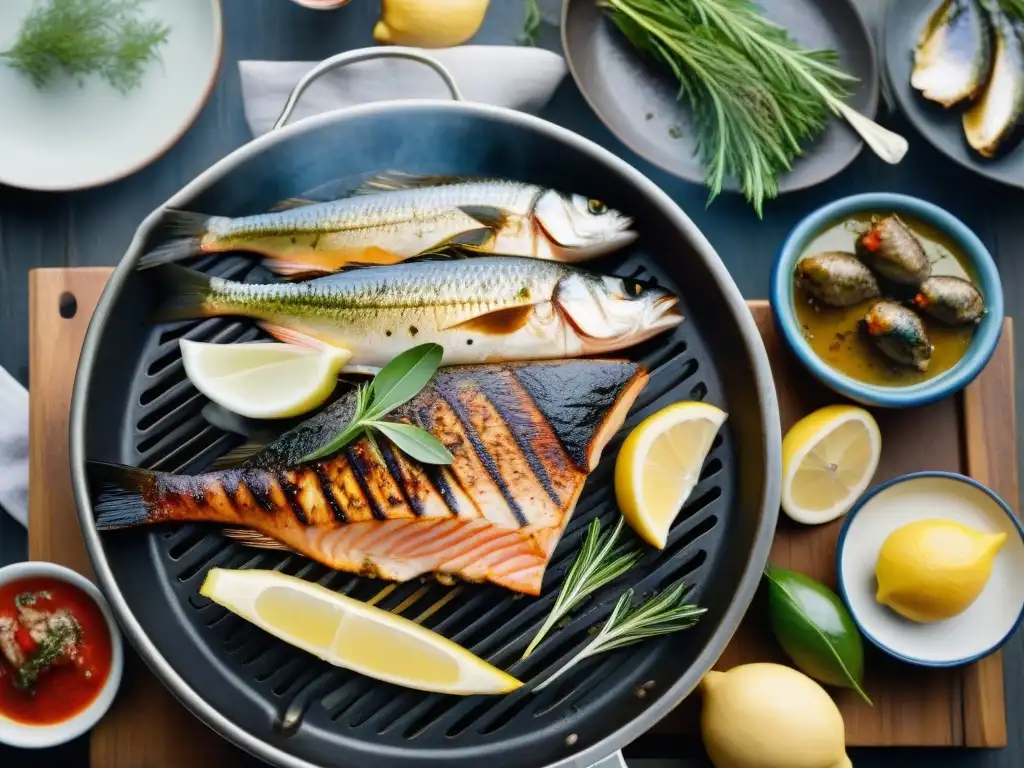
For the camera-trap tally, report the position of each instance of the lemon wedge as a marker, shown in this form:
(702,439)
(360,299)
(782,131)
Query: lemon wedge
(352,634)
(660,463)
(932,570)
(263,380)
(828,460)
(429,23)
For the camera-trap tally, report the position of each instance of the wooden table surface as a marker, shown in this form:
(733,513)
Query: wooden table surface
(94,227)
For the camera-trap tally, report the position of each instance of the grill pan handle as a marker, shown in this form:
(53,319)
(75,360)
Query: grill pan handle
(365,54)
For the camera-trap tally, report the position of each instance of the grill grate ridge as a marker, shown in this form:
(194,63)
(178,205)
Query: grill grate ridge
(172,435)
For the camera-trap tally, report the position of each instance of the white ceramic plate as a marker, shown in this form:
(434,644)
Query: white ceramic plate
(71,135)
(987,623)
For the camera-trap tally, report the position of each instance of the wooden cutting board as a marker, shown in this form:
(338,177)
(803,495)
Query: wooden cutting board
(148,728)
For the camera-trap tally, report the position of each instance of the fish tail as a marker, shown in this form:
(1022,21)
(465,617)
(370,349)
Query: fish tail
(186,231)
(186,293)
(120,493)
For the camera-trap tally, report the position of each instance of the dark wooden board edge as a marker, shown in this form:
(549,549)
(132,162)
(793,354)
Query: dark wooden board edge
(987,402)
(990,445)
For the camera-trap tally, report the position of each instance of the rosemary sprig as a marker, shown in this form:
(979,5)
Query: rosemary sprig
(662,614)
(1015,8)
(599,562)
(83,37)
(755,93)
(531,23)
(397,382)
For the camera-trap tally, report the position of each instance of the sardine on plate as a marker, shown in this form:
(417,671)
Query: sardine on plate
(489,309)
(953,57)
(994,125)
(523,436)
(401,217)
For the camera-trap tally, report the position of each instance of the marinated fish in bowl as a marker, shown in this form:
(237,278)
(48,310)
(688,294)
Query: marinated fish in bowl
(886,299)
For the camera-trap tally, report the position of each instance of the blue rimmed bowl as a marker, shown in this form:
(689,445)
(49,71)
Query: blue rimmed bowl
(986,336)
(987,624)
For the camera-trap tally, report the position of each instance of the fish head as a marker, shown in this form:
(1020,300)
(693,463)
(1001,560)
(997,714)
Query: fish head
(610,313)
(581,228)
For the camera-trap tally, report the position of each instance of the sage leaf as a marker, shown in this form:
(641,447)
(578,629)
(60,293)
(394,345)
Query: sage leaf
(815,630)
(402,378)
(418,443)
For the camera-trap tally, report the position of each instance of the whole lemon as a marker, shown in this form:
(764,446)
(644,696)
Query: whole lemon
(429,23)
(770,716)
(931,570)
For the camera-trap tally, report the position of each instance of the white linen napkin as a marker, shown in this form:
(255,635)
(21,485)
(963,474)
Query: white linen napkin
(13,448)
(517,77)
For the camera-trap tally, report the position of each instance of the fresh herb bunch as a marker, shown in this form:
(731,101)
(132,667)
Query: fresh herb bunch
(662,614)
(600,561)
(755,93)
(531,23)
(1014,7)
(397,382)
(84,37)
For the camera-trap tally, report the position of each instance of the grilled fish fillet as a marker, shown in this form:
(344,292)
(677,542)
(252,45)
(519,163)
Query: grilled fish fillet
(524,438)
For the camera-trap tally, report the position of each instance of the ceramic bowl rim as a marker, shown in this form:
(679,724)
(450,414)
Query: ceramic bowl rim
(841,547)
(24,736)
(986,337)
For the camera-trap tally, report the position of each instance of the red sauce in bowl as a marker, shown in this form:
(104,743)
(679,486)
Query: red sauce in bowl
(55,615)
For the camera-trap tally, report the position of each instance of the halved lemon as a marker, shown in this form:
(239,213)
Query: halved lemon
(828,460)
(263,380)
(660,463)
(352,634)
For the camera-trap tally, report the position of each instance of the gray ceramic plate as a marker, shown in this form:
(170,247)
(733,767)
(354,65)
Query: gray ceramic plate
(636,98)
(939,126)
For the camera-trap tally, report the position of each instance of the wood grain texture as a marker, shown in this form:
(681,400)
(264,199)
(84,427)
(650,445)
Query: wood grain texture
(991,448)
(913,706)
(146,727)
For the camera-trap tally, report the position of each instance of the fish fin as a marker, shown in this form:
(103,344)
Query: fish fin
(119,494)
(290,204)
(491,216)
(292,336)
(392,180)
(186,230)
(472,238)
(237,456)
(294,270)
(498,322)
(186,292)
(250,538)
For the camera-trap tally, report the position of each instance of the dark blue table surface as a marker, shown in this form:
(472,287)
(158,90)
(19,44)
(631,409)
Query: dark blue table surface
(94,227)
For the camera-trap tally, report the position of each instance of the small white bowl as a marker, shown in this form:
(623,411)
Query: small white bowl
(40,736)
(987,624)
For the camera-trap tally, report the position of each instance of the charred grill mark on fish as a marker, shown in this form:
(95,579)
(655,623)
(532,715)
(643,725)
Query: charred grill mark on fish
(359,470)
(291,495)
(388,454)
(325,490)
(482,454)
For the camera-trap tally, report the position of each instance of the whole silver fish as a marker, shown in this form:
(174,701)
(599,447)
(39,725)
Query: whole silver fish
(489,309)
(400,217)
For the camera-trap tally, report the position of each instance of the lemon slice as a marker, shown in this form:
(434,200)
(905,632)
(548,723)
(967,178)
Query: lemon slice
(828,460)
(352,634)
(660,463)
(263,380)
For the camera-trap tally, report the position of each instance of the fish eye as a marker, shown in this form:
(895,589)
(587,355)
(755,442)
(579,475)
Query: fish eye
(632,288)
(596,207)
